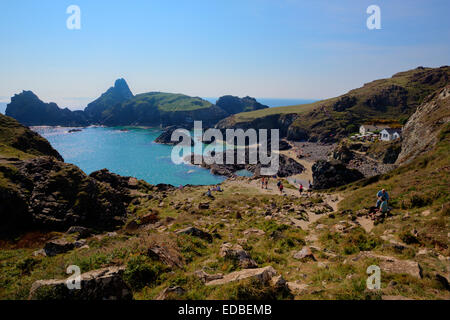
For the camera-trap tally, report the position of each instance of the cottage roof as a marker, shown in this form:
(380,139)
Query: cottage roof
(392,130)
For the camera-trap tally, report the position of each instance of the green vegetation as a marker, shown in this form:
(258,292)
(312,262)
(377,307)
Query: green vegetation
(391,100)
(170,102)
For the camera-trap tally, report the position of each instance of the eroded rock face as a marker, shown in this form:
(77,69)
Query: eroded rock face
(236,252)
(420,134)
(102,284)
(52,195)
(333,174)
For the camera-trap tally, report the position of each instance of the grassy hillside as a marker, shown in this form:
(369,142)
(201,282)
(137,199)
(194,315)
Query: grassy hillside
(17,141)
(392,99)
(170,101)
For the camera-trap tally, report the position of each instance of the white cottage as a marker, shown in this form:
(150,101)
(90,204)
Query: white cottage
(390,134)
(368,128)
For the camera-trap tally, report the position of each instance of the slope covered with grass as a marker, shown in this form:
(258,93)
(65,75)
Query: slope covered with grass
(393,99)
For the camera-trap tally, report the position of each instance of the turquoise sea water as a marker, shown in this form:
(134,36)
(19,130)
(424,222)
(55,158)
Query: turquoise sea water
(128,153)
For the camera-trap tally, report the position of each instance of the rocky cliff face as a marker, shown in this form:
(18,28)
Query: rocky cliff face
(330,174)
(233,105)
(46,194)
(29,110)
(38,191)
(118,107)
(421,132)
(117,94)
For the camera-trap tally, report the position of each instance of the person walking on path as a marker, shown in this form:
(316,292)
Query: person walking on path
(280,187)
(300,189)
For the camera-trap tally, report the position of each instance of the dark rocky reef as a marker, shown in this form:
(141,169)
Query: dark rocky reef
(233,105)
(331,174)
(166,136)
(287,166)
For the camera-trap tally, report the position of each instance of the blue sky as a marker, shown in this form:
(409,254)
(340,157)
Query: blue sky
(262,48)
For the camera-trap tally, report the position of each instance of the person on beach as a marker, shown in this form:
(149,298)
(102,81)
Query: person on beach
(300,189)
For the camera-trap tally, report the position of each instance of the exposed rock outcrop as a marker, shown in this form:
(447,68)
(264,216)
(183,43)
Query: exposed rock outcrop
(237,253)
(261,274)
(29,110)
(48,194)
(233,105)
(195,232)
(166,137)
(102,284)
(117,94)
(333,174)
(18,137)
(420,134)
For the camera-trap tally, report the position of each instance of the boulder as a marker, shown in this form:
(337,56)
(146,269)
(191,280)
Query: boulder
(254,231)
(394,265)
(102,284)
(278,282)
(304,254)
(236,252)
(261,274)
(171,293)
(203,205)
(193,231)
(83,232)
(444,280)
(167,256)
(297,288)
(59,246)
(206,277)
